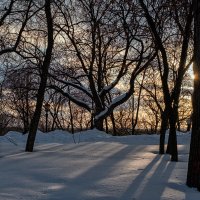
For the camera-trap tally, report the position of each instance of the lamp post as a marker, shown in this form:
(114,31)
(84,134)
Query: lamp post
(47,109)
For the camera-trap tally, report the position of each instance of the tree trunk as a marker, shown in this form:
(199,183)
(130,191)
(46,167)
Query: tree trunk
(193,174)
(134,122)
(27,108)
(168,150)
(43,81)
(164,123)
(178,123)
(188,126)
(36,116)
(113,124)
(106,123)
(172,141)
(26,126)
(71,117)
(92,120)
(98,124)
(132,118)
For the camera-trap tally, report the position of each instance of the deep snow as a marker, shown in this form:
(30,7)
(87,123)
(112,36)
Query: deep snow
(92,166)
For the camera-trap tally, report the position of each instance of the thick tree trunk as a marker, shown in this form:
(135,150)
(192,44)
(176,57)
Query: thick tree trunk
(168,150)
(188,126)
(172,140)
(98,124)
(193,174)
(43,81)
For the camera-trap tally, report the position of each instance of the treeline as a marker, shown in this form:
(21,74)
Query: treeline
(112,65)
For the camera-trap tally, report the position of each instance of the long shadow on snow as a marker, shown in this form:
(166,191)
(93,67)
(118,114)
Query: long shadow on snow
(88,181)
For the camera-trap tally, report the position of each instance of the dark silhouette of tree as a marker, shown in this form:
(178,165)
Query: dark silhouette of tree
(20,84)
(43,78)
(193,174)
(8,45)
(104,43)
(156,22)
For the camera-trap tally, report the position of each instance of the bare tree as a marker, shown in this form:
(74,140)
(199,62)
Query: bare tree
(181,19)
(136,116)
(14,16)
(103,42)
(9,40)
(43,78)
(20,84)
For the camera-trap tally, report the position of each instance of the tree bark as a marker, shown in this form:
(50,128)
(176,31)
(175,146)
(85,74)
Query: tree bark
(193,173)
(71,117)
(98,124)
(173,149)
(112,117)
(135,121)
(43,81)
(164,124)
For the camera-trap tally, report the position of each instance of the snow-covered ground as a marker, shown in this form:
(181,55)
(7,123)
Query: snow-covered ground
(92,166)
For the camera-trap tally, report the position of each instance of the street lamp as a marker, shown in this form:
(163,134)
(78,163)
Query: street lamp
(47,109)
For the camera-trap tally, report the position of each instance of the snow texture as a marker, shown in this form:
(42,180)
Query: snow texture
(97,167)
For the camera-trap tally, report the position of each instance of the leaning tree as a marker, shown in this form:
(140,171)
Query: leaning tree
(43,69)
